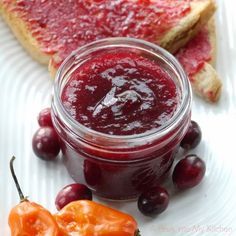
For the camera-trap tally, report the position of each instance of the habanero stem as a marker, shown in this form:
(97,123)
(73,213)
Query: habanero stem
(21,195)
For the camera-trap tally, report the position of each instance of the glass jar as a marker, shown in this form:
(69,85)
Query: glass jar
(120,167)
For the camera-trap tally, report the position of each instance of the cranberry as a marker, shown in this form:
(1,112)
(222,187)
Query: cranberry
(44,118)
(154,201)
(46,143)
(188,172)
(193,136)
(72,192)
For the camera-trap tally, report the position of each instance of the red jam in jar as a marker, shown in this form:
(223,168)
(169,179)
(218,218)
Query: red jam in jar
(120,93)
(121,107)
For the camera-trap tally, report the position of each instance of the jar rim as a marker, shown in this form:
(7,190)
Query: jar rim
(183,108)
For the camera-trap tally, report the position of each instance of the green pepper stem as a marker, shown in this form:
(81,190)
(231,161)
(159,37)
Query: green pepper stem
(137,233)
(22,197)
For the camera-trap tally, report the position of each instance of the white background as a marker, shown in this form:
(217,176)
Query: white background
(209,209)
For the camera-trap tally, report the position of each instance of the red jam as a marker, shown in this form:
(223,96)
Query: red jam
(62,26)
(120,93)
(121,108)
(198,51)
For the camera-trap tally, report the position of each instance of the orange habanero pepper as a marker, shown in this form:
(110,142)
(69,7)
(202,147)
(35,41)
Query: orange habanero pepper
(30,219)
(88,218)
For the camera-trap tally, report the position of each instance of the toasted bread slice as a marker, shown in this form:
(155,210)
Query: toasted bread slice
(20,19)
(198,59)
(184,28)
(206,83)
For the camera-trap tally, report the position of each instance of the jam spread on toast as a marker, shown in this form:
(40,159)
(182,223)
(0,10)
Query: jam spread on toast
(128,94)
(61,26)
(194,55)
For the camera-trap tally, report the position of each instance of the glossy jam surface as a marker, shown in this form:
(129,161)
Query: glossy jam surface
(120,93)
(61,26)
(195,53)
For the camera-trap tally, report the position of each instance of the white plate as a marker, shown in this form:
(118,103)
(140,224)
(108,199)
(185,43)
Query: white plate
(209,209)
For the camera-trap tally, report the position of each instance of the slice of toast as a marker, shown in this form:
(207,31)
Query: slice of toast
(32,21)
(198,59)
(171,24)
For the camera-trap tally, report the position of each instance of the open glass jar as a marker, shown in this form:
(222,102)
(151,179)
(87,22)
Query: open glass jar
(120,167)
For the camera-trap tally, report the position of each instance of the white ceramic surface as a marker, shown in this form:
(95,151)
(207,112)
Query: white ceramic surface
(208,210)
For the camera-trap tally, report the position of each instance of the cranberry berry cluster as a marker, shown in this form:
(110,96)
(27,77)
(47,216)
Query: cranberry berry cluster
(45,141)
(187,173)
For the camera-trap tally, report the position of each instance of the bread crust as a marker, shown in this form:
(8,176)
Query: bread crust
(24,36)
(206,84)
(212,37)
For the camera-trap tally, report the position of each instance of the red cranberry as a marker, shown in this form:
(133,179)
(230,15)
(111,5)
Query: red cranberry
(188,172)
(72,192)
(46,143)
(154,201)
(193,136)
(44,118)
